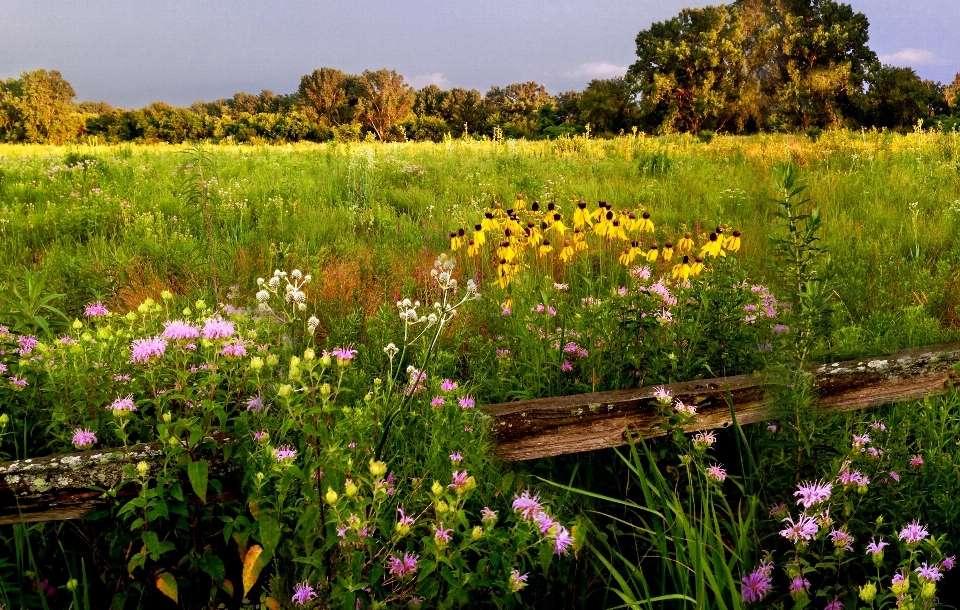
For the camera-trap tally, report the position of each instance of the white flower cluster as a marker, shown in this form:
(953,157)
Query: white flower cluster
(294,295)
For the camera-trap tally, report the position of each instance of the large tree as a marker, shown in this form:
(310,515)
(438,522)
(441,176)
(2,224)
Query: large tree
(689,70)
(385,101)
(329,96)
(516,108)
(609,106)
(463,110)
(38,107)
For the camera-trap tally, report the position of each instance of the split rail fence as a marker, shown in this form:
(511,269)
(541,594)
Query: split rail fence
(66,486)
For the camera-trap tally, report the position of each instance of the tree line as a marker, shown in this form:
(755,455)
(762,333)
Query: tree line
(750,66)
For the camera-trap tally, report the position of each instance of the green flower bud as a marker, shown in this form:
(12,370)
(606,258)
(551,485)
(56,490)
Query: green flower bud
(477,533)
(272,360)
(351,489)
(200,305)
(167,417)
(331,496)
(143,468)
(868,592)
(309,355)
(131,317)
(4,420)
(166,295)
(442,507)
(72,584)
(285,390)
(437,488)
(256,363)
(325,360)
(77,324)
(325,389)
(928,590)
(377,469)
(187,311)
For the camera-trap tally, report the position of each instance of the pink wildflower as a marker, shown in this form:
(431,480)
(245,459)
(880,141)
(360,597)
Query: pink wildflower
(123,404)
(83,438)
(96,310)
(913,533)
(178,330)
(804,528)
(302,593)
(466,402)
(217,328)
(441,534)
(528,506)
(437,402)
(401,567)
(144,350)
(448,386)
(234,350)
(284,452)
(812,493)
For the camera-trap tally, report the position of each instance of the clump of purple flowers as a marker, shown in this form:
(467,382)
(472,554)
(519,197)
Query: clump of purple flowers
(217,328)
(144,350)
(530,509)
(401,567)
(284,452)
(96,310)
(757,584)
(913,533)
(124,404)
(302,593)
(83,438)
(812,493)
(178,330)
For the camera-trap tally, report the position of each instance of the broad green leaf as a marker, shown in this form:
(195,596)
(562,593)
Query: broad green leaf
(198,472)
(168,586)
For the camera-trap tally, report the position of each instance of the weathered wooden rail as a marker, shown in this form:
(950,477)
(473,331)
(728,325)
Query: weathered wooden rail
(62,486)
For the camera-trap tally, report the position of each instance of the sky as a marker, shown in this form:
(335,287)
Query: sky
(130,53)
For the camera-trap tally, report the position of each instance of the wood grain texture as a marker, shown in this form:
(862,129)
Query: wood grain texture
(68,486)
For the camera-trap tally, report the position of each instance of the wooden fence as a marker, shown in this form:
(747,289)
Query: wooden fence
(61,486)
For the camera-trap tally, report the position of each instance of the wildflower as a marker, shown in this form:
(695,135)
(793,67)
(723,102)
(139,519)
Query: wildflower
(96,310)
(836,604)
(913,533)
(26,343)
(714,247)
(528,506)
(875,549)
(448,386)
(18,383)
(3,368)
(517,581)
(344,355)
(562,541)
(900,583)
(217,328)
(489,517)
(948,563)
(868,592)
(732,243)
(557,286)
(842,541)
(877,425)
(772,427)
(566,367)
(925,572)
(703,440)
(779,329)
(261,435)
(404,523)
(401,567)
(916,461)
(460,481)
(716,473)
(860,441)
(799,583)
(178,330)
(442,535)
(234,350)
(466,402)
(812,493)
(662,394)
(688,410)
(777,509)
(143,350)
(852,477)
(545,522)
(284,452)
(83,438)
(804,528)
(302,593)
(893,474)
(437,402)
(756,585)
(123,405)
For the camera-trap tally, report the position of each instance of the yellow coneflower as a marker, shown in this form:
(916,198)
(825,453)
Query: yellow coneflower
(506,251)
(602,228)
(508,302)
(600,211)
(631,223)
(566,255)
(489,223)
(652,253)
(557,224)
(579,240)
(645,225)
(697,267)
(581,218)
(457,239)
(519,205)
(682,270)
(732,243)
(534,236)
(685,245)
(714,247)
(667,252)
(545,248)
(626,259)
(479,237)
(615,230)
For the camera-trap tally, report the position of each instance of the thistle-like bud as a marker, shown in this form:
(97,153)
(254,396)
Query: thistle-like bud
(351,489)
(284,390)
(437,488)
(256,363)
(331,496)
(142,469)
(377,468)
(77,324)
(868,592)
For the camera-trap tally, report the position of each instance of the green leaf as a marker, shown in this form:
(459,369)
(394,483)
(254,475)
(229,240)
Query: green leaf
(269,532)
(167,585)
(198,473)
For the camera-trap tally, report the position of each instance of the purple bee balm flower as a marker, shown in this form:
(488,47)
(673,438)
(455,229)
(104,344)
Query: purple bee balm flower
(779,329)
(83,438)
(704,439)
(876,547)
(178,330)
(302,593)
(144,350)
(860,441)
(852,477)
(234,350)
(448,386)
(459,480)
(517,581)
(18,382)
(437,402)
(401,567)
(466,402)
(528,506)
(96,310)
(772,427)
(442,534)
(688,410)
(776,509)
(894,475)
(842,541)
(878,425)
(405,519)
(489,517)
(3,368)
(799,584)
(662,394)
(562,541)
(756,585)
(261,435)
(123,404)
(913,533)
(803,529)
(255,404)
(456,458)
(948,563)
(344,354)
(544,522)
(284,452)
(505,311)
(566,367)
(916,461)
(812,493)
(836,604)
(26,343)
(716,473)
(217,328)
(925,572)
